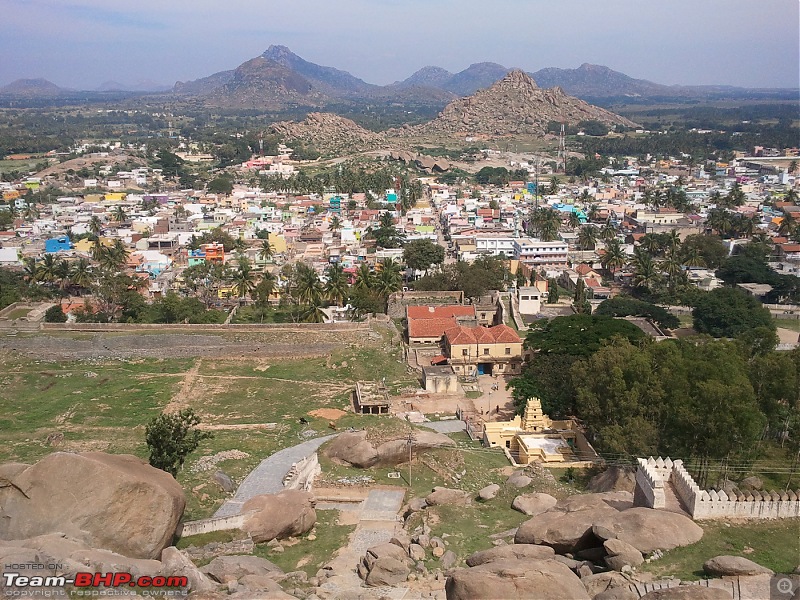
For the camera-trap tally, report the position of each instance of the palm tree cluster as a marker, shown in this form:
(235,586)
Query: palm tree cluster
(59,274)
(544,223)
(730,224)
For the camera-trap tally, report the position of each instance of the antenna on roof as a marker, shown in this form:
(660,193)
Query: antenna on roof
(561,160)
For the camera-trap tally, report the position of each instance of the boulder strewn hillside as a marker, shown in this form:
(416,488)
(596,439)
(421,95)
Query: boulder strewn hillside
(514,105)
(329,134)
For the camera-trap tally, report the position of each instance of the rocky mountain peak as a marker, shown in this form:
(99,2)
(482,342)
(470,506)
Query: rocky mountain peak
(517,78)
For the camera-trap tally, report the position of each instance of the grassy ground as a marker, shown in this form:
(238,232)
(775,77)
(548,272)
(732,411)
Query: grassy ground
(790,324)
(104,405)
(773,544)
(310,555)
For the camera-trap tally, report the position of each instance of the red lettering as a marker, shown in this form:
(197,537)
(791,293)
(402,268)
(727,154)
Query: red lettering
(121,579)
(102,579)
(83,579)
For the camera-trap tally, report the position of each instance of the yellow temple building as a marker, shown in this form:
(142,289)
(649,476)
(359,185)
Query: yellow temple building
(535,437)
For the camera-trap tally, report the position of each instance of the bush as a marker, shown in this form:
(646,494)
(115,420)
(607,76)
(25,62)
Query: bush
(728,312)
(55,314)
(171,438)
(630,307)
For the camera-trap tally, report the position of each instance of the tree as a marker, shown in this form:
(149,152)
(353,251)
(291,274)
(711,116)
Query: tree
(243,278)
(621,306)
(386,234)
(579,335)
(703,251)
(552,291)
(266,251)
(172,437)
(587,237)
(55,314)
(337,286)
(728,312)
(421,254)
(613,257)
(95,226)
(220,185)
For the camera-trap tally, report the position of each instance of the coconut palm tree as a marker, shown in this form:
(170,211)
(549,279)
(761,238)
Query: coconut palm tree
(673,240)
(243,279)
(671,266)
(614,256)
(266,251)
(29,272)
(645,272)
(337,286)
(574,221)
(46,269)
(313,313)
(593,212)
(95,226)
(119,214)
(364,278)
(389,280)
(692,257)
(308,288)
(651,243)
(81,275)
(62,273)
(608,231)
(587,237)
(545,223)
(335,224)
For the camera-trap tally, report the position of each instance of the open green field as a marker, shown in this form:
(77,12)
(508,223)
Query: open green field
(774,544)
(252,406)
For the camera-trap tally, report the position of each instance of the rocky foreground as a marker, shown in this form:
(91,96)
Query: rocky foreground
(96,512)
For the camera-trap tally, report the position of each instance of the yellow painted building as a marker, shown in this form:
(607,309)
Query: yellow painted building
(535,437)
(483,350)
(115,196)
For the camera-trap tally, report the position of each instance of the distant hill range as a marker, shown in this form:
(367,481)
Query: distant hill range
(30,88)
(279,79)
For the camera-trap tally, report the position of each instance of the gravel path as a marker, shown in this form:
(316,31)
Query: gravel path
(267,477)
(445,426)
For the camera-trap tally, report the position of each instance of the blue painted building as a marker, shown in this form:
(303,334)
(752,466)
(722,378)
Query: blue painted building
(57,244)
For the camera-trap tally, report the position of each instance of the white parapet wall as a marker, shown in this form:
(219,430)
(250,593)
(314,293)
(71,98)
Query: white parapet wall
(301,474)
(209,525)
(653,475)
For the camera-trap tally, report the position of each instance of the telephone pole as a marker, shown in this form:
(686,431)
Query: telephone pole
(410,441)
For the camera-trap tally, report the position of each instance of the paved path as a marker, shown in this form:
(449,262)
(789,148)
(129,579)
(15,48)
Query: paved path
(451,426)
(378,523)
(267,477)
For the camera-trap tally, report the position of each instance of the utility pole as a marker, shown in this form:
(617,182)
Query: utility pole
(410,441)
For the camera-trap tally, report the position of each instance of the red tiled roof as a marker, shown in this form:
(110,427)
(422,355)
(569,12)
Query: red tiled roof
(583,269)
(438,360)
(790,247)
(439,312)
(429,328)
(482,335)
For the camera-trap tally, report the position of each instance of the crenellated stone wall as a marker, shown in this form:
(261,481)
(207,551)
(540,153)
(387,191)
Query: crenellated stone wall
(301,474)
(653,476)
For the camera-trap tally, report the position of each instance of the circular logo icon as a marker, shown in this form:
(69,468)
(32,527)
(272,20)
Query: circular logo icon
(784,585)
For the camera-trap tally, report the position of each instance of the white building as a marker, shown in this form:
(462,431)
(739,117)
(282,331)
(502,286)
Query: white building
(530,300)
(538,253)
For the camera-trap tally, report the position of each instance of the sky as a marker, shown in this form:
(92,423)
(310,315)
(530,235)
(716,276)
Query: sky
(84,43)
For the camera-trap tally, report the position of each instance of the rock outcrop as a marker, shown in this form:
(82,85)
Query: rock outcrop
(510,551)
(354,449)
(647,529)
(384,565)
(133,509)
(442,495)
(515,578)
(515,105)
(721,566)
(330,134)
(613,479)
(533,503)
(278,516)
(567,526)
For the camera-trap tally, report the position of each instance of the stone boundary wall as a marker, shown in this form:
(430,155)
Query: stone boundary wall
(653,474)
(213,524)
(134,327)
(301,474)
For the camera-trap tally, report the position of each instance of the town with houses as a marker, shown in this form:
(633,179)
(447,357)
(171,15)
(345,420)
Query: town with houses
(498,335)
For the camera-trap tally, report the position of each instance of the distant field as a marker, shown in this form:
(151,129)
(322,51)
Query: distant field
(23,166)
(104,404)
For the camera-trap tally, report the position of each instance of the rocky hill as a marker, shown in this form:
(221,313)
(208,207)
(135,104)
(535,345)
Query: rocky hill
(330,134)
(429,77)
(514,105)
(31,88)
(475,77)
(204,85)
(261,83)
(598,81)
(329,80)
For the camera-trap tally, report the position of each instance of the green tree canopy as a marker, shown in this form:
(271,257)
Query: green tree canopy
(422,254)
(728,312)
(172,437)
(621,306)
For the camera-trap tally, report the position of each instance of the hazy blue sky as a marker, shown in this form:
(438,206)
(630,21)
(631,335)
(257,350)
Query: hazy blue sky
(83,43)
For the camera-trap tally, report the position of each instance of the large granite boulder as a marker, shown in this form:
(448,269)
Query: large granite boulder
(567,526)
(510,551)
(534,503)
(598,583)
(115,502)
(384,565)
(721,566)
(176,563)
(278,516)
(647,529)
(227,569)
(688,592)
(620,554)
(442,495)
(354,449)
(489,492)
(613,479)
(515,578)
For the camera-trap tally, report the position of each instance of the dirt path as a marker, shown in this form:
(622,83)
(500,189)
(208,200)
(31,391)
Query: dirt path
(181,399)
